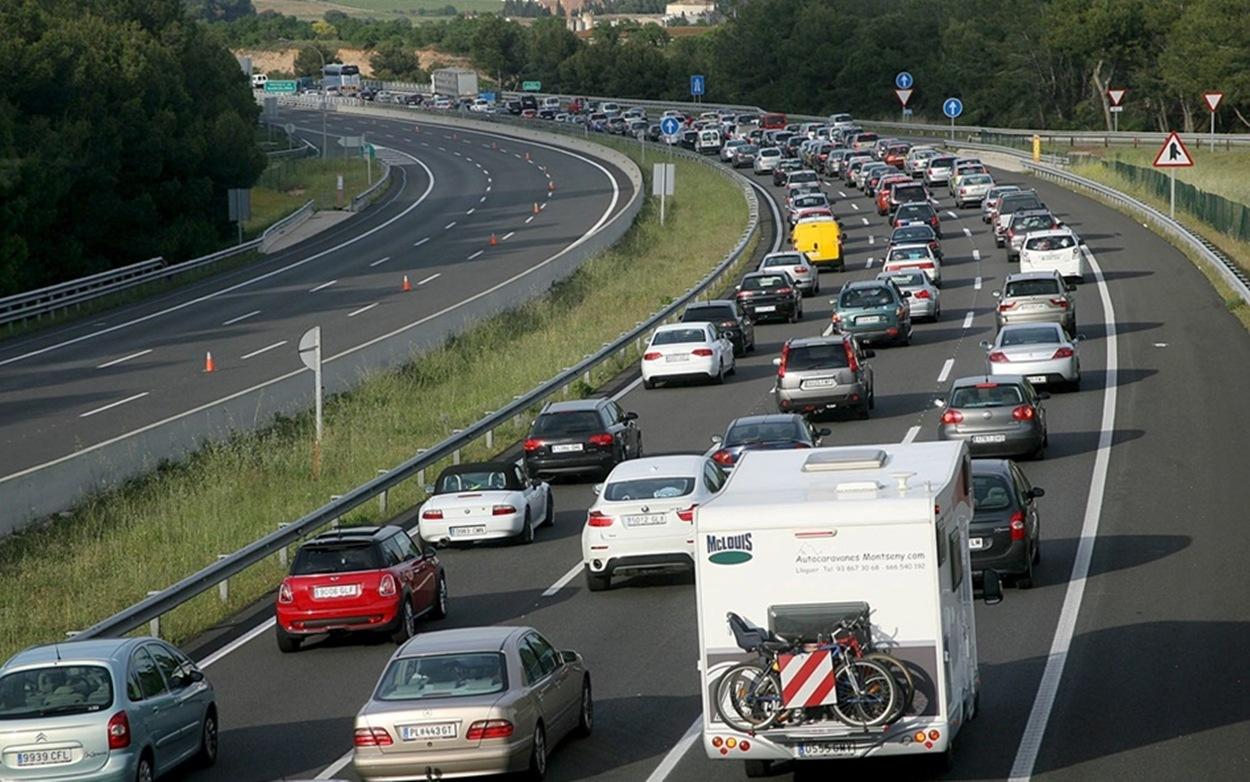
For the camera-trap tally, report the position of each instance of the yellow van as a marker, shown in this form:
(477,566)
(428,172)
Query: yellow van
(821,240)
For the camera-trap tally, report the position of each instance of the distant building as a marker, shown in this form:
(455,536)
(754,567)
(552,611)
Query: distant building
(568,7)
(587,20)
(689,10)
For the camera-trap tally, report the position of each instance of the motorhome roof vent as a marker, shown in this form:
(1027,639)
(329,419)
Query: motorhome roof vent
(842,460)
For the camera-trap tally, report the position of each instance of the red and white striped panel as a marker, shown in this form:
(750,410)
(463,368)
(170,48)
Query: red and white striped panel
(807,679)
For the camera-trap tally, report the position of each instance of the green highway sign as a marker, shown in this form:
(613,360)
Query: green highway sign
(531,86)
(281,85)
(369,151)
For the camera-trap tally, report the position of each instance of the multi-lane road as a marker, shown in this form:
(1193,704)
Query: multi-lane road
(68,392)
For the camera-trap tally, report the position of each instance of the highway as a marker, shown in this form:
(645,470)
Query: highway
(67,391)
(1141,529)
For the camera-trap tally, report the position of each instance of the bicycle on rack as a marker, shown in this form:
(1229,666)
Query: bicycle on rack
(859,640)
(749,695)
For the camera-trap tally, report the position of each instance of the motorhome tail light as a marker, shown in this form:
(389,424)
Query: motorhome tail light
(502,510)
(687,514)
(952,417)
(533,444)
(723,458)
(934,735)
(717,742)
(372,737)
(489,729)
(1064,352)
(1024,413)
(119,730)
(387,586)
(597,518)
(744,745)
(1017,525)
(731,742)
(919,736)
(285,595)
(601,439)
(651,355)
(998,357)
(705,352)
(434,514)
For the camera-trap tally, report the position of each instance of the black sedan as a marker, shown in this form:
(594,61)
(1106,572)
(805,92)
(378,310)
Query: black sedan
(732,321)
(773,431)
(771,295)
(1005,534)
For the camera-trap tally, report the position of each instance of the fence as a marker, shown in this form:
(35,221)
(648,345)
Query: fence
(1224,215)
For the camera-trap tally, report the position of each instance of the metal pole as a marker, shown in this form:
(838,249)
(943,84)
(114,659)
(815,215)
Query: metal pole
(952,128)
(1172,203)
(1213,131)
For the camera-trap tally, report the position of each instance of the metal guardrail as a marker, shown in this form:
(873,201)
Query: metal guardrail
(285,226)
(362,200)
(305,149)
(43,301)
(164,601)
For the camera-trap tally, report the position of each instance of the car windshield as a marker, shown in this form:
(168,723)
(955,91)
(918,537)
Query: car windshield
(986,395)
(1028,335)
(912,233)
(990,493)
(648,489)
(807,357)
(573,422)
(1048,243)
(761,432)
(764,282)
(679,337)
(487,480)
(336,557)
(707,314)
(909,254)
(876,296)
(443,676)
(55,690)
(1042,287)
(912,280)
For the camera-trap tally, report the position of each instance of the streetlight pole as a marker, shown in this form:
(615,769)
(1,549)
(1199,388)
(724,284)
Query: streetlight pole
(325,148)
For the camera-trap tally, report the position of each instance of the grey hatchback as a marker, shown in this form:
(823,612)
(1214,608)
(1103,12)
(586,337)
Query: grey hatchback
(1005,533)
(999,415)
(816,375)
(104,710)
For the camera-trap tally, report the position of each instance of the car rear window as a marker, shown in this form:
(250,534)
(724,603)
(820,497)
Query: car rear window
(987,395)
(990,493)
(707,314)
(486,480)
(1048,243)
(1042,287)
(788,259)
(942,162)
(1014,203)
(917,212)
(761,432)
(802,176)
(764,283)
(903,193)
(1032,223)
(649,489)
(679,337)
(770,152)
(912,233)
(909,254)
(55,690)
(978,179)
(801,358)
(443,676)
(339,557)
(910,280)
(866,297)
(810,201)
(569,423)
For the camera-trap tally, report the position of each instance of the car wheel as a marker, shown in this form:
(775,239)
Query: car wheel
(439,610)
(586,718)
(406,625)
(648,384)
(872,399)
(719,377)
(538,756)
(862,411)
(1075,385)
(550,517)
(758,769)
(527,531)
(287,643)
(207,756)
(144,772)
(597,582)
(1025,581)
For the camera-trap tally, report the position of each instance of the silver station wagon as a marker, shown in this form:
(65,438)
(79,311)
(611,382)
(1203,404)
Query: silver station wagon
(103,710)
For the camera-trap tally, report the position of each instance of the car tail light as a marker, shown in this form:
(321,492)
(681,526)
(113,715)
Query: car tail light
(998,357)
(952,417)
(1060,303)
(387,586)
(1006,305)
(723,458)
(1024,413)
(1017,526)
(601,439)
(372,737)
(119,731)
(489,729)
(651,356)
(285,595)
(933,221)
(596,518)
(728,324)
(434,514)
(934,246)
(799,269)
(687,514)
(502,510)
(852,360)
(785,357)
(925,265)
(1064,352)
(533,444)
(921,294)
(705,352)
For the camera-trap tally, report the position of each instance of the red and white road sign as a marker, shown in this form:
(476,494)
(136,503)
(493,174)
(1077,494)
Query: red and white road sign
(904,96)
(1213,100)
(807,679)
(1116,96)
(1173,153)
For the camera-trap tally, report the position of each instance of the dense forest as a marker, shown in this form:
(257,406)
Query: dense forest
(121,126)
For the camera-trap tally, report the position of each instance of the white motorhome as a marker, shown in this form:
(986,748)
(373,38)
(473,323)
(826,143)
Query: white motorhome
(708,142)
(798,539)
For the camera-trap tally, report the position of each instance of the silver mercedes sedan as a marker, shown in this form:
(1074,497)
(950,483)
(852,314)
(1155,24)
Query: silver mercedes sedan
(471,702)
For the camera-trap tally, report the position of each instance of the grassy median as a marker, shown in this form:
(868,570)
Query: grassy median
(112,550)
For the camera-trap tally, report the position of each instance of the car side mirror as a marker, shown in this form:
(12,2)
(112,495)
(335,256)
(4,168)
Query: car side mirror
(939,403)
(1043,395)
(631,416)
(870,353)
(717,439)
(568,657)
(997,294)
(991,587)
(824,432)
(1079,338)
(1070,287)
(1037,491)
(429,488)
(906,294)
(597,488)
(737,287)
(1080,241)
(777,361)
(985,343)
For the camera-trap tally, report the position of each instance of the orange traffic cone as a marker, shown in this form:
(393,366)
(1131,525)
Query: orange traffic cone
(535,207)
(494,240)
(209,366)
(492,145)
(407,286)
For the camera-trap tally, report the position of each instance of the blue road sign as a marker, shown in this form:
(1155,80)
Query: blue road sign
(670,126)
(953,107)
(487,96)
(696,85)
(904,80)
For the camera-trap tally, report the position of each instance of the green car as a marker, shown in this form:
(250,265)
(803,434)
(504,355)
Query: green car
(875,311)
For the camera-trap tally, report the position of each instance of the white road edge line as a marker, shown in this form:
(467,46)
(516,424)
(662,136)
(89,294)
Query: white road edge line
(1048,687)
(911,434)
(476,254)
(365,308)
(336,766)
(947,366)
(323,286)
(563,581)
(968,319)
(117,361)
(111,405)
(431,278)
(233,321)
(265,349)
(236,643)
(679,749)
(380,261)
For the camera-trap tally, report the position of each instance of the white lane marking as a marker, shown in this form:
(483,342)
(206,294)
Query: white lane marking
(365,308)
(968,320)
(334,768)
(947,366)
(529,219)
(233,321)
(855,206)
(380,261)
(442,149)
(449,226)
(1048,688)
(507,236)
(976,284)
(828,330)
(230,289)
(471,211)
(323,286)
(563,580)
(117,361)
(111,405)
(968,232)
(431,278)
(457,154)
(420,242)
(872,240)
(476,254)
(236,643)
(865,219)
(482,200)
(489,181)
(487,190)
(841,194)
(265,349)
(976,255)
(953,215)
(911,434)
(868,263)
(683,745)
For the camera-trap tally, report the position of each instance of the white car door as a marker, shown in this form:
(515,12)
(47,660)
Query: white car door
(535,497)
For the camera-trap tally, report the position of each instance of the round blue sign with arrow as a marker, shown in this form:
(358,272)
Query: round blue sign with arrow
(670,126)
(953,107)
(904,80)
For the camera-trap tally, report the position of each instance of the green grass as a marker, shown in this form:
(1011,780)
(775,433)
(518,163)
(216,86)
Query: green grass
(158,529)
(1224,172)
(287,184)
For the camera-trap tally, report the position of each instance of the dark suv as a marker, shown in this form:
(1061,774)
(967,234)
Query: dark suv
(770,295)
(581,436)
(729,318)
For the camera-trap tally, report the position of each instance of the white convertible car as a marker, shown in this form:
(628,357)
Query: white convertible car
(485,501)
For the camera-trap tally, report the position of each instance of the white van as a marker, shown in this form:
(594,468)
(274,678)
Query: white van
(550,102)
(797,540)
(708,142)
(259,80)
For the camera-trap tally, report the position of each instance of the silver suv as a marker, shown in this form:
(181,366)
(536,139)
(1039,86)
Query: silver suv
(818,375)
(1037,297)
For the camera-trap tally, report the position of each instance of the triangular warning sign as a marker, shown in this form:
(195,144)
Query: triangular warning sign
(1116,96)
(904,96)
(1213,100)
(1173,153)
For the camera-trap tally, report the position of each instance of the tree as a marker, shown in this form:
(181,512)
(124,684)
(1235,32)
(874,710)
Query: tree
(324,30)
(308,63)
(219,10)
(395,60)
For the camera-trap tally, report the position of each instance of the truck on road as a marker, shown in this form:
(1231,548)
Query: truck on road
(454,82)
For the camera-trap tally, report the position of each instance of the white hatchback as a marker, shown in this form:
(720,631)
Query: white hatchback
(1059,250)
(643,519)
(680,351)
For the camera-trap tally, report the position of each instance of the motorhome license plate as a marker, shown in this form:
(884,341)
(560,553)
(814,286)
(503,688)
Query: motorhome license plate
(645,519)
(1037,378)
(433,730)
(824,382)
(989,438)
(827,749)
(566,447)
(465,532)
(46,757)
(340,590)
(976,544)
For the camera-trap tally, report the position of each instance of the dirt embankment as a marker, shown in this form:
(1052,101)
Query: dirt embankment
(283,60)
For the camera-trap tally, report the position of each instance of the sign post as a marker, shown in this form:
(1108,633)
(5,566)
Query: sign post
(952,108)
(698,84)
(662,178)
(310,354)
(1116,98)
(903,83)
(903,97)
(1212,99)
(670,127)
(239,207)
(1173,155)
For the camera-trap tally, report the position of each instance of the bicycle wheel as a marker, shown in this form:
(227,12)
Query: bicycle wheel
(902,679)
(866,693)
(748,698)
